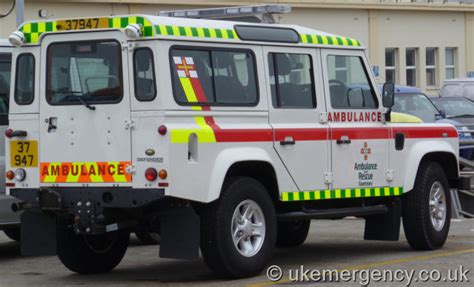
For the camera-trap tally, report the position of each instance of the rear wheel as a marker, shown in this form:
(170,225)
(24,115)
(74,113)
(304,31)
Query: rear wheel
(427,209)
(238,230)
(292,233)
(14,233)
(89,254)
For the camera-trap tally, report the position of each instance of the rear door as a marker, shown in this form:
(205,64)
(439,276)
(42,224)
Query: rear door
(85,110)
(300,138)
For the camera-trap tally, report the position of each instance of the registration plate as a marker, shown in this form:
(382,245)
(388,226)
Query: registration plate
(24,153)
(82,24)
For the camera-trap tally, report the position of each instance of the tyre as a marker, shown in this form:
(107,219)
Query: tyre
(426,209)
(292,233)
(238,231)
(91,254)
(14,233)
(148,238)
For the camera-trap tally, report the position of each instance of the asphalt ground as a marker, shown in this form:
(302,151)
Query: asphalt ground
(335,246)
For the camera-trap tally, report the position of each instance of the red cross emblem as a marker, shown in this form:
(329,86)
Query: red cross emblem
(185,67)
(366,151)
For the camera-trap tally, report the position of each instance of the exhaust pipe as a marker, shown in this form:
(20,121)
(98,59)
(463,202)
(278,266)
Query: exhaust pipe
(19,206)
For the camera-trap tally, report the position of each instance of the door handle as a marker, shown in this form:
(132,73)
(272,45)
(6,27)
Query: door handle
(287,141)
(52,124)
(344,140)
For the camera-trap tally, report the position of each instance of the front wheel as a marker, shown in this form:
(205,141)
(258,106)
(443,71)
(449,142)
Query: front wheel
(238,231)
(91,254)
(427,208)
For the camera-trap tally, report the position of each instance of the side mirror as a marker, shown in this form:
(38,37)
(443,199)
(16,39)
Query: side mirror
(388,95)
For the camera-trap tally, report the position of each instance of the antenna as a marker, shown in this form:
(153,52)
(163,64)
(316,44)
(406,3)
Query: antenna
(255,14)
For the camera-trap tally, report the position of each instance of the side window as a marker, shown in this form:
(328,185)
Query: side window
(25,79)
(214,77)
(291,81)
(349,84)
(5,72)
(144,75)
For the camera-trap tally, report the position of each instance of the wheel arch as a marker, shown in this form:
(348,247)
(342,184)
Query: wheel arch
(440,152)
(252,162)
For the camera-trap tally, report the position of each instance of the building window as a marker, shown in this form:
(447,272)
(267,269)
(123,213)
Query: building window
(431,67)
(390,65)
(411,55)
(450,64)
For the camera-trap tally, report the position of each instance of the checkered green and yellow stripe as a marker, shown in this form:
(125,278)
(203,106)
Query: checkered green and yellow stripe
(212,33)
(122,22)
(33,30)
(329,40)
(341,193)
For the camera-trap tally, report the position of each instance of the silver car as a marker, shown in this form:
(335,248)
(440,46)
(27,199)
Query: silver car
(9,221)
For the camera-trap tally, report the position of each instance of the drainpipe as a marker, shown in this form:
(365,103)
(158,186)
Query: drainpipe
(20,12)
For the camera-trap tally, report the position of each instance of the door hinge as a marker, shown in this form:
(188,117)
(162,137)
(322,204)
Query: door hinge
(323,118)
(328,178)
(390,175)
(131,169)
(129,124)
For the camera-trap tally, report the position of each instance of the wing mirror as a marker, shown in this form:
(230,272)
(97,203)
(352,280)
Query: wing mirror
(388,95)
(388,99)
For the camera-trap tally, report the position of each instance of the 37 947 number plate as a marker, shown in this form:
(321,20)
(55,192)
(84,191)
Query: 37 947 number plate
(24,153)
(82,24)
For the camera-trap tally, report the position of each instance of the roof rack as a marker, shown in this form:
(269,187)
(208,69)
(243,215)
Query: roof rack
(254,14)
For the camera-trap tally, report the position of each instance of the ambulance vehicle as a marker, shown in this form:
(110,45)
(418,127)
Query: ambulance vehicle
(225,137)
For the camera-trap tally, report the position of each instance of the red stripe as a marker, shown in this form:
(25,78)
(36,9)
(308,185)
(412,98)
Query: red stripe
(243,135)
(360,133)
(426,132)
(306,134)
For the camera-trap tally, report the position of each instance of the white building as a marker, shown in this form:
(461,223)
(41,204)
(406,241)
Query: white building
(412,42)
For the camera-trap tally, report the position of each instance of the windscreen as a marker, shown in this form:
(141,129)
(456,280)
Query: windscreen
(81,72)
(417,105)
(455,107)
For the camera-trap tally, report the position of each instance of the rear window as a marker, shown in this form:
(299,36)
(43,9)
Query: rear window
(5,75)
(451,91)
(81,72)
(25,79)
(214,77)
(468,91)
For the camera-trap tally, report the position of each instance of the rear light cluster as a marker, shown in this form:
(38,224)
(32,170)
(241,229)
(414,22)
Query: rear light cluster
(151,174)
(19,174)
(9,133)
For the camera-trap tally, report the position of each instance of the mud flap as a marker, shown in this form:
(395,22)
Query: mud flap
(386,226)
(179,231)
(38,234)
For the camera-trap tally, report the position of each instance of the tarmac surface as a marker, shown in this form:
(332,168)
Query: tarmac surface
(337,246)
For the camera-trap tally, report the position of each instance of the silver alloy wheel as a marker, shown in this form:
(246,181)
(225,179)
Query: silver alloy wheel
(437,206)
(248,228)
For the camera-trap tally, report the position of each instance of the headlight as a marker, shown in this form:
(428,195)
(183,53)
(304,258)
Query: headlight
(20,174)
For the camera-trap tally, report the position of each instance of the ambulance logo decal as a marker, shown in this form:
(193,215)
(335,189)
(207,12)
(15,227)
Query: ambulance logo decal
(185,67)
(366,151)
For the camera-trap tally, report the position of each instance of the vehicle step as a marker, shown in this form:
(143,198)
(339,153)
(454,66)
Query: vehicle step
(334,213)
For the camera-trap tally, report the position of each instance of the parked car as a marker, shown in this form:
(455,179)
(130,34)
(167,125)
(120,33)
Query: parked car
(458,110)
(9,221)
(411,100)
(460,87)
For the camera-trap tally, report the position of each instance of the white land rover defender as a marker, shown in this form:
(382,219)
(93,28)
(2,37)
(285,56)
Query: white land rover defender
(223,136)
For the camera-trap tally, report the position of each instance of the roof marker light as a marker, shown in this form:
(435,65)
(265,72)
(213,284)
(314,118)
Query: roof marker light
(16,38)
(133,31)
